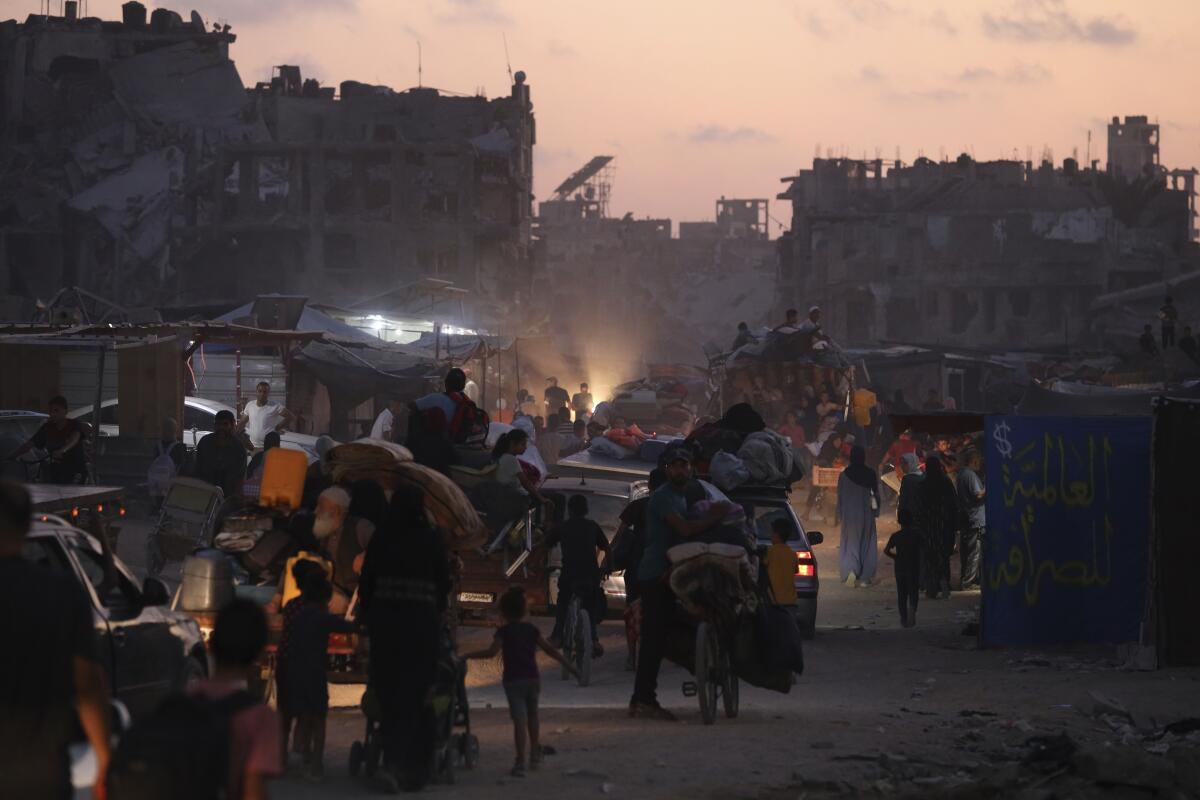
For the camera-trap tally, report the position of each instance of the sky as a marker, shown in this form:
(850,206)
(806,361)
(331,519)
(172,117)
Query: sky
(702,98)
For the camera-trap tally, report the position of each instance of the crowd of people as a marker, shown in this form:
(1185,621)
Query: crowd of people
(940,508)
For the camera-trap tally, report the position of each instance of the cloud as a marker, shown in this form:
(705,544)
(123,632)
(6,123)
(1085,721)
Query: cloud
(1052,21)
(870,75)
(815,25)
(560,49)
(719,134)
(1017,74)
(939,21)
(237,12)
(869,12)
(936,96)
(473,12)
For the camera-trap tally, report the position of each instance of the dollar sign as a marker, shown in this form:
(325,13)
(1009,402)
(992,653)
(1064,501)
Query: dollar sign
(1000,435)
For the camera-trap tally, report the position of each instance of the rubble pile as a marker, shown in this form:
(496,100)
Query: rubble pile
(112,132)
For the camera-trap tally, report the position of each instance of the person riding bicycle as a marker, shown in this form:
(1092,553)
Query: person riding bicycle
(63,438)
(582,541)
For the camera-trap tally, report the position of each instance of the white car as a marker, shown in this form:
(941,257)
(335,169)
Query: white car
(199,420)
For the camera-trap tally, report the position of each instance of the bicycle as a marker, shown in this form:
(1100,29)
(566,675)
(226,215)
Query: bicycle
(577,640)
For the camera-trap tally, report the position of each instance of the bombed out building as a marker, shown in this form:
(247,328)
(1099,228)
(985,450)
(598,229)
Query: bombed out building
(141,168)
(647,291)
(994,255)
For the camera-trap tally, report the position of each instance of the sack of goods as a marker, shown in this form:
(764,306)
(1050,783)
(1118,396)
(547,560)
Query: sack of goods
(768,457)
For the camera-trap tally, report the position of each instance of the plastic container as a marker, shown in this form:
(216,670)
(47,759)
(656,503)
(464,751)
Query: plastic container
(207,581)
(282,483)
(290,589)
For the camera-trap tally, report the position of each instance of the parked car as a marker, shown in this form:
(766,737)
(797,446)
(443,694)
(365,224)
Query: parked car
(199,420)
(15,429)
(765,504)
(147,649)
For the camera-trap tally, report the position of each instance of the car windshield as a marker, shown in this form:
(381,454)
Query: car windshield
(19,429)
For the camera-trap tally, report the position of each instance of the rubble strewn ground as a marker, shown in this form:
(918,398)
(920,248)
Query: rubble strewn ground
(880,712)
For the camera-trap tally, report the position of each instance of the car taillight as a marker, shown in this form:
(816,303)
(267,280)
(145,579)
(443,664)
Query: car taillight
(806,567)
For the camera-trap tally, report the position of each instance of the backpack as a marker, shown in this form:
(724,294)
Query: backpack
(470,424)
(162,471)
(181,751)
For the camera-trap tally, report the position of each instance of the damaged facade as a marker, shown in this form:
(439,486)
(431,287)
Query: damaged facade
(650,293)
(997,255)
(140,167)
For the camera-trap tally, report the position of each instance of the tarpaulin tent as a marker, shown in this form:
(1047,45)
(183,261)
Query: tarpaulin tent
(359,373)
(1094,401)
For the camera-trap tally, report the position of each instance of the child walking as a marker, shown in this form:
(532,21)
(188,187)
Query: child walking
(303,689)
(905,548)
(518,640)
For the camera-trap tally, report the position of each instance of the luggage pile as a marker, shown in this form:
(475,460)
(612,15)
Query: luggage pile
(739,449)
(390,465)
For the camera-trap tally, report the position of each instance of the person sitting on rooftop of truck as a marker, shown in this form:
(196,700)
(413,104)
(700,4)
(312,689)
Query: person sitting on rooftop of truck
(744,337)
(791,322)
(509,470)
(581,401)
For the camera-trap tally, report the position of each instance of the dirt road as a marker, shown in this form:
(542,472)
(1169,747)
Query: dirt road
(879,711)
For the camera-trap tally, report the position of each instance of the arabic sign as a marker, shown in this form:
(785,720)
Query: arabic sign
(1068,512)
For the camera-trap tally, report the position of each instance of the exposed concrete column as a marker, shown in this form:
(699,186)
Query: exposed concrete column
(358,179)
(247,185)
(316,210)
(295,193)
(218,190)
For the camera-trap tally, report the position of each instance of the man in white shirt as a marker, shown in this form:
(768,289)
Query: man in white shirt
(385,423)
(261,416)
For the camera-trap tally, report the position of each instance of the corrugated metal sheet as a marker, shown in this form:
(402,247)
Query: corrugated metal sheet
(216,380)
(77,368)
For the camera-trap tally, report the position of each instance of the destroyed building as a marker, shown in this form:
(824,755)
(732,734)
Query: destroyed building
(623,281)
(140,167)
(995,255)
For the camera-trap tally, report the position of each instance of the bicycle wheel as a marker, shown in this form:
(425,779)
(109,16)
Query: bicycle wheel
(729,687)
(706,672)
(568,634)
(583,647)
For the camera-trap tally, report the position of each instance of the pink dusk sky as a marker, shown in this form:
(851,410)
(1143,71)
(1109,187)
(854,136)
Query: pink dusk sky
(700,98)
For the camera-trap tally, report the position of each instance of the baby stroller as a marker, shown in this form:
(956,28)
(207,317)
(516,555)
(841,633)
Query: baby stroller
(453,743)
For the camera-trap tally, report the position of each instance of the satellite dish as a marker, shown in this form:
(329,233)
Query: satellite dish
(197,22)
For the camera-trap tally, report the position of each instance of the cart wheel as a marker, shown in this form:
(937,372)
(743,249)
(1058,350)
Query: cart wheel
(356,759)
(706,669)
(470,750)
(729,688)
(583,647)
(371,755)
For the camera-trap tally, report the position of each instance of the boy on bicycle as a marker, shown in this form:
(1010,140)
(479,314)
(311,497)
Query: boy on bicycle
(582,541)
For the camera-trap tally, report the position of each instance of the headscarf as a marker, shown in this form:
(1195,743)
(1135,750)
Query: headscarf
(912,464)
(858,472)
(936,488)
(367,501)
(323,445)
(407,509)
